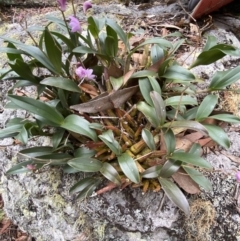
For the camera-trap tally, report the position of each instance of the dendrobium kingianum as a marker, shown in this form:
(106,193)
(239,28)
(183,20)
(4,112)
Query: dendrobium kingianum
(62,5)
(86,6)
(74,24)
(84,74)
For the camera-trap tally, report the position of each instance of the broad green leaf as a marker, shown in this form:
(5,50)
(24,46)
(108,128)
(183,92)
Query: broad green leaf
(152,172)
(191,159)
(143,73)
(191,113)
(226,117)
(155,85)
(110,173)
(79,125)
(10,131)
(108,138)
(213,54)
(163,43)
(157,53)
(175,194)
(54,50)
(84,50)
(159,106)
(169,168)
(218,135)
(183,100)
(57,137)
(53,159)
(149,113)
(198,178)
(19,168)
(116,82)
(148,139)
(177,45)
(145,88)
(23,70)
(211,42)
(22,136)
(179,73)
(36,151)
(206,107)
(192,125)
(69,169)
(96,126)
(62,83)
(9,50)
(36,53)
(129,167)
(84,152)
(196,149)
(37,107)
(88,191)
(222,79)
(119,31)
(171,115)
(85,164)
(95,26)
(170,141)
(64,39)
(82,184)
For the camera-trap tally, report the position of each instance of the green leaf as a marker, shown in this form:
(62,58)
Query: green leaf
(22,136)
(95,26)
(85,164)
(37,54)
(211,42)
(57,137)
(196,149)
(84,152)
(184,100)
(227,118)
(62,83)
(10,131)
(169,168)
(155,85)
(163,43)
(191,159)
(222,79)
(84,50)
(13,51)
(110,173)
(54,50)
(111,23)
(37,107)
(108,138)
(36,151)
(157,53)
(82,184)
(192,125)
(88,191)
(177,72)
(175,194)
(23,70)
(206,107)
(198,178)
(79,125)
(64,39)
(170,141)
(19,168)
(213,54)
(149,113)
(129,167)
(152,172)
(159,106)
(143,73)
(191,113)
(116,82)
(218,135)
(148,139)
(145,88)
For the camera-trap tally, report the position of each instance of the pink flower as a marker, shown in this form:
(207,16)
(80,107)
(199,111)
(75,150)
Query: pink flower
(85,73)
(238,177)
(31,167)
(74,24)
(62,5)
(86,6)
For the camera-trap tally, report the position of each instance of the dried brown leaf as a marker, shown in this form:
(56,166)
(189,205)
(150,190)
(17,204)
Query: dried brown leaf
(186,182)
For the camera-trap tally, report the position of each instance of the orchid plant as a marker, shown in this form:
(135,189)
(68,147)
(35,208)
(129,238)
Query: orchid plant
(112,116)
